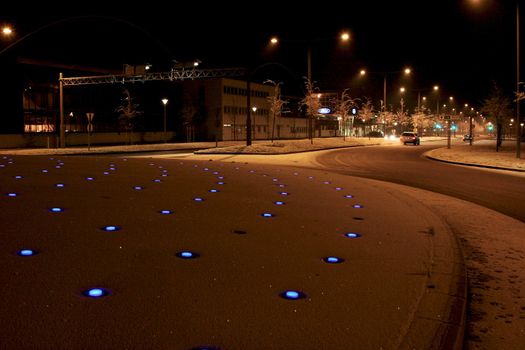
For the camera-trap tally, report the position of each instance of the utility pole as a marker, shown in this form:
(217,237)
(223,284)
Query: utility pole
(518,119)
(61,107)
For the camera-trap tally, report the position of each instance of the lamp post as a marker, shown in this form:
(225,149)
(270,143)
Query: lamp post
(343,37)
(518,131)
(406,71)
(518,121)
(165,103)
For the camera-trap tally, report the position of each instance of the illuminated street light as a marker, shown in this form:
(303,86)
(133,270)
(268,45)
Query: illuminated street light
(406,71)
(7,31)
(345,36)
(165,102)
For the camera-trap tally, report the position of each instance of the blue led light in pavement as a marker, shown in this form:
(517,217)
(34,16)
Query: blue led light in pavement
(138,188)
(267,215)
(18,177)
(166,212)
(112,169)
(275,180)
(279,203)
(56,210)
(106,173)
(327,182)
(352,235)
(284,193)
(110,228)
(44,170)
(2,165)
(12,194)
(338,188)
(26,252)
(186,254)
(220,177)
(357,206)
(58,166)
(296,174)
(292,295)
(95,292)
(205,169)
(90,178)
(164,175)
(156,180)
(282,185)
(215,173)
(333,260)
(164,171)
(349,196)
(220,183)
(59,185)
(310,177)
(213,190)
(198,199)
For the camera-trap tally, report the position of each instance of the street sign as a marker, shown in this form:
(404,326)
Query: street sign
(90,116)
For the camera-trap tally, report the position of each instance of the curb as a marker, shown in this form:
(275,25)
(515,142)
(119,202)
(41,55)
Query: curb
(279,153)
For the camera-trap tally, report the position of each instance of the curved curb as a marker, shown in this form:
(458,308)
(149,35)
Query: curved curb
(279,153)
(473,165)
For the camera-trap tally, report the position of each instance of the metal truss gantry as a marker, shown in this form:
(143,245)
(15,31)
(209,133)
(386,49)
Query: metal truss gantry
(173,75)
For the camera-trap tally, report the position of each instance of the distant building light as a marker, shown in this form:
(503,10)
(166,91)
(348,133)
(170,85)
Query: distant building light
(324,110)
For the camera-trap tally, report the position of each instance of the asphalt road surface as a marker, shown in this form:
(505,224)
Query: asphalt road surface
(503,191)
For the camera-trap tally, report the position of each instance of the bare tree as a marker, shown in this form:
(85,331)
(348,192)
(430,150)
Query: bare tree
(366,113)
(128,113)
(343,106)
(312,104)
(421,121)
(275,102)
(498,108)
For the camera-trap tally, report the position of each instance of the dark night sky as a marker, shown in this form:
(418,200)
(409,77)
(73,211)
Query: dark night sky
(461,47)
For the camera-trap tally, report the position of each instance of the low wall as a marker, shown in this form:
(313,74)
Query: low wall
(80,139)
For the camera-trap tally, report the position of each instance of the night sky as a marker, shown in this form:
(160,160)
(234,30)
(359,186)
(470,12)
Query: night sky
(453,43)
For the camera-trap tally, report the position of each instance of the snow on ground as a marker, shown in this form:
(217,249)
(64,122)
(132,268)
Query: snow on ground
(483,153)
(293,146)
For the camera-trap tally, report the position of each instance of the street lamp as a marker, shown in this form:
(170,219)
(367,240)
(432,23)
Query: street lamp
(406,71)
(436,89)
(165,103)
(344,37)
(518,131)
(7,30)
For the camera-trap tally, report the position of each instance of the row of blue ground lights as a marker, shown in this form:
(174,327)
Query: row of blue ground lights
(100,292)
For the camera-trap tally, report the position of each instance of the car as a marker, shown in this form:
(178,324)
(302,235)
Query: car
(410,137)
(468,137)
